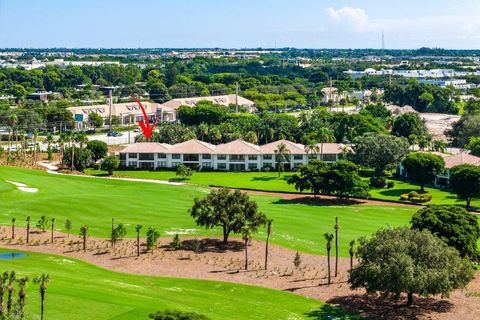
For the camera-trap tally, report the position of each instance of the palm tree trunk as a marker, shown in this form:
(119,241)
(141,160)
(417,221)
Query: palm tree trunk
(351,261)
(42,299)
(138,244)
(73,157)
(266,251)
(328,265)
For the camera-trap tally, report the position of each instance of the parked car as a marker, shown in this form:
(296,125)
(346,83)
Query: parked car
(136,130)
(114,134)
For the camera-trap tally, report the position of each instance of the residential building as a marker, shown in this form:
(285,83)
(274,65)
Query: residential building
(224,100)
(442,179)
(237,155)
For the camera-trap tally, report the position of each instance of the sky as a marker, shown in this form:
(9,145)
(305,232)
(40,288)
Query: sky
(240,23)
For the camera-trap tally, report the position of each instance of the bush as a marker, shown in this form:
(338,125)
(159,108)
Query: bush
(378,182)
(177,315)
(99,149)
(176,242)
(110,164)
(96,166)
(390,184)
(414,196)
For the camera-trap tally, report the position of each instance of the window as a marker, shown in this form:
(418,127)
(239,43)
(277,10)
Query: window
(161,156)
(123,156)
(329,157)
(175,164)
(146,165)
(133,155)
(237,157)
(267,157)
(298,157)
(146,156)
(206,156)
(221,157)
(132,164)
(252,166)
(190,157)
(312,156)
(161,164)
(175,156)
(252,157)
(222,166)
(206,165)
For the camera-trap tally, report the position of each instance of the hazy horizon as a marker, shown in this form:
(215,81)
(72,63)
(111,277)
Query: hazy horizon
(309,24)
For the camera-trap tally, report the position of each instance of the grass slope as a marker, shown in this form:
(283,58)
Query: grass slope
(94,202)
(269,181)
(82,291)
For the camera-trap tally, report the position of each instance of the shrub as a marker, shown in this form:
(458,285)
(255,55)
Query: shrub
(176,242)
(390,184)
(414,196)
(378,182)
(110,163)
(96,166)
(177,315)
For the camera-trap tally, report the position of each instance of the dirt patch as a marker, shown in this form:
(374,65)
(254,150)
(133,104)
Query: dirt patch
(207,258)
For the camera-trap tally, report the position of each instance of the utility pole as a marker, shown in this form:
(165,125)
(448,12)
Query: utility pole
(236,97)
(110,93)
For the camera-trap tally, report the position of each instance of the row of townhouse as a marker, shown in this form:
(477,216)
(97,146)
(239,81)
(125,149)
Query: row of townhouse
(130,112)
(237,155)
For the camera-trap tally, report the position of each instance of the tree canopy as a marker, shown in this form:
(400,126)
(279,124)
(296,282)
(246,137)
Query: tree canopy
(422,167)
(231,210)
(453,224)
(403,260)
(465,182)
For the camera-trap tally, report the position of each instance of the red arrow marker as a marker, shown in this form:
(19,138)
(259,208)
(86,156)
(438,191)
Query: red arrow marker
(145,123)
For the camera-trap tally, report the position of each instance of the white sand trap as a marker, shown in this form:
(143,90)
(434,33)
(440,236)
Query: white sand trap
(22,187)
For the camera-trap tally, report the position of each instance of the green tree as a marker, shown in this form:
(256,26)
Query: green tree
(95,120)
(138,229)
(99,149)
(379,151)
(309,177)
(342,180)
(3,288)
(465,182)
(42,280)
(453,224)
(423,167)
(110,164)
(158,91)
(396,261)
(474,146)
(43,223)
(82,158)
(118,233)
(84,234)
(183,171)
(282,156)
(22,283)
(68,226)
(152,238)
(351,252)
(408,125)
(233,211)
(10,288)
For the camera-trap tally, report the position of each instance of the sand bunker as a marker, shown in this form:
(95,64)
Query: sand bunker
(22,187)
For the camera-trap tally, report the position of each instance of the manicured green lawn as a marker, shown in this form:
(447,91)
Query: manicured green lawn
(269,181)
(82,291)
(94,201)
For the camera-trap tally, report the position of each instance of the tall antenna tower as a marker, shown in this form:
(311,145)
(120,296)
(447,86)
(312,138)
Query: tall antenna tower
(383,40)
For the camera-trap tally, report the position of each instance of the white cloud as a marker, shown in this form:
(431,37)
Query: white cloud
(355,19)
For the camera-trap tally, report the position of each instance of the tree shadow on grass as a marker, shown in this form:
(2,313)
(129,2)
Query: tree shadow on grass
(377,308)
(396,192)
(320,201)
(264,178)
(329,312)
(210,245)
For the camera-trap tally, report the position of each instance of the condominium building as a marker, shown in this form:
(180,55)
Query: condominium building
(237,155)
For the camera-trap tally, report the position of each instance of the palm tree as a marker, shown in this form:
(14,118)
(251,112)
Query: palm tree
(81,138)
(3,288)
(12,123)
(28,229)
(138,228)
(324,135)
(35,153)
(22,282)
(351,251)
(13,228)
(42,280)
(336,227)
(52,229)
(84,234)
(63,138)
(282,155)
(311,148)
(269,231)
(10,288)
(72,146)
(49,140)
(329,237)
(246,237)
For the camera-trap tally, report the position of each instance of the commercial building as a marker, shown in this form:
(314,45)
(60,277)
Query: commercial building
(237,155)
